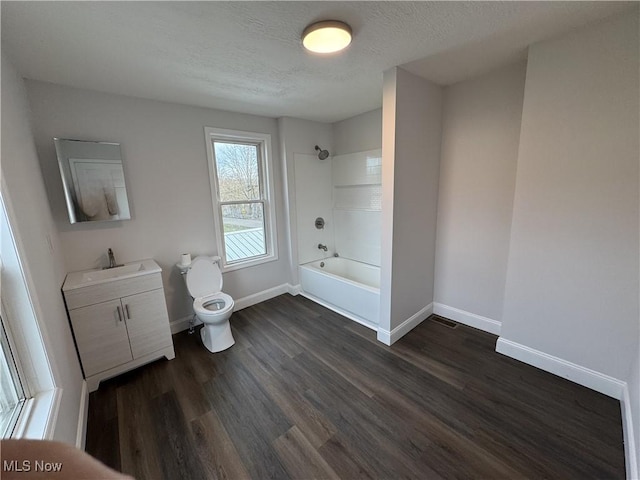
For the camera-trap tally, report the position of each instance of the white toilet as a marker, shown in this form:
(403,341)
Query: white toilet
(211,306)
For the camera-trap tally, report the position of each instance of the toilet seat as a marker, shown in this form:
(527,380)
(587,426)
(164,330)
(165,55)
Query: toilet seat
(200,304)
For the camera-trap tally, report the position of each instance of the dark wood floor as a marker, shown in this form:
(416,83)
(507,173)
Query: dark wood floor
(305,393)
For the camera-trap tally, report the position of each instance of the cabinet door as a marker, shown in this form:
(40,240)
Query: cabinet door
(147,322)
(101,336)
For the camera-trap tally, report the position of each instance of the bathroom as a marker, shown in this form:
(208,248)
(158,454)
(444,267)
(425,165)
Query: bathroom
(449,236)
(151,136)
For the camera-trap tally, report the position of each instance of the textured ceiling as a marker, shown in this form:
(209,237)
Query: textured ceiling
(247,56)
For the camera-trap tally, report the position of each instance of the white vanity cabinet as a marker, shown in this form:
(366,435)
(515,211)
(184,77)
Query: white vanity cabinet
(102,337)
(119,319)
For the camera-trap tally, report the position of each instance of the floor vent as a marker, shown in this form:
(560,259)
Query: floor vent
(444,321)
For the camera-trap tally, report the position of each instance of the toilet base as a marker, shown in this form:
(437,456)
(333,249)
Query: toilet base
(217,338)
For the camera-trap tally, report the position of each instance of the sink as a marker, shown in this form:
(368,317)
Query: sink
(115,272)
(98,276)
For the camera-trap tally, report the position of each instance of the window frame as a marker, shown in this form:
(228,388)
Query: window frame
(16,374)
(266,178)
(39,413)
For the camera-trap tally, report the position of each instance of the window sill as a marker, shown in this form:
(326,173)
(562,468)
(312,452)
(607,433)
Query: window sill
(39,415)
(249,263)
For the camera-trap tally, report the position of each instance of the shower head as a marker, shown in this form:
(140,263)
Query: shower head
(322,154)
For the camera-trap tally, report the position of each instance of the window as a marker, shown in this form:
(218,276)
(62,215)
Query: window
(242,189)
(11,391)
(29,399)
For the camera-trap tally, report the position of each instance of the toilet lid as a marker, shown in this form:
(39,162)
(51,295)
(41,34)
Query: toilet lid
(204,277)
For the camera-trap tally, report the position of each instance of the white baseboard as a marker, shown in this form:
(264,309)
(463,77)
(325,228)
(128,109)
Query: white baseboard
(183,323)
(262,296)
(571,371)
(467,318)
(586,377)
(629,435)
(81,434)
(294,289)
(180,324)
(390,337)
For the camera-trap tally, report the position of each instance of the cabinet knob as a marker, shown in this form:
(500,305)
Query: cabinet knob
(119,312)
(126,308)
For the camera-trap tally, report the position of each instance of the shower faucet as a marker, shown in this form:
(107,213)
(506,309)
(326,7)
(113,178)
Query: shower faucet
(322,247)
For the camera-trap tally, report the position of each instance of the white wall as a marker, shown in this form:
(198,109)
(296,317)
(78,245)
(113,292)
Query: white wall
(480,136)
(40,248)
(411,136)
(358,134)
(300,137)
(572,281)
(166,172)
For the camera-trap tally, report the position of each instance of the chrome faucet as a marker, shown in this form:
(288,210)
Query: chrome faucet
(112,260)
(322,247)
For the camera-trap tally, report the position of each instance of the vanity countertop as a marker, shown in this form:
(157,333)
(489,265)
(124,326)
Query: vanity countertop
(97,276)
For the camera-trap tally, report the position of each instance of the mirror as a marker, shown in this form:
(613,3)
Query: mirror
(93,180)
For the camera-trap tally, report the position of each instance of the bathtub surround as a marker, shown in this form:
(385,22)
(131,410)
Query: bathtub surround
(309,187)
(357,205)
(411,135)
(313,199)
(345,191)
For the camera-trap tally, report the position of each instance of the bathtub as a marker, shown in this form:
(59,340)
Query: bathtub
(345,286)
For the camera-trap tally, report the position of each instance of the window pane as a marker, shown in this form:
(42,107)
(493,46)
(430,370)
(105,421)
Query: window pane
(238,172)
(11,394)
(243,231)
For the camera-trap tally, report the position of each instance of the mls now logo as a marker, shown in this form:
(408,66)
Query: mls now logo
(28,466)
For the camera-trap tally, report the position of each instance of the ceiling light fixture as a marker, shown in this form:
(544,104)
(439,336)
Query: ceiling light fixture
(328,36)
